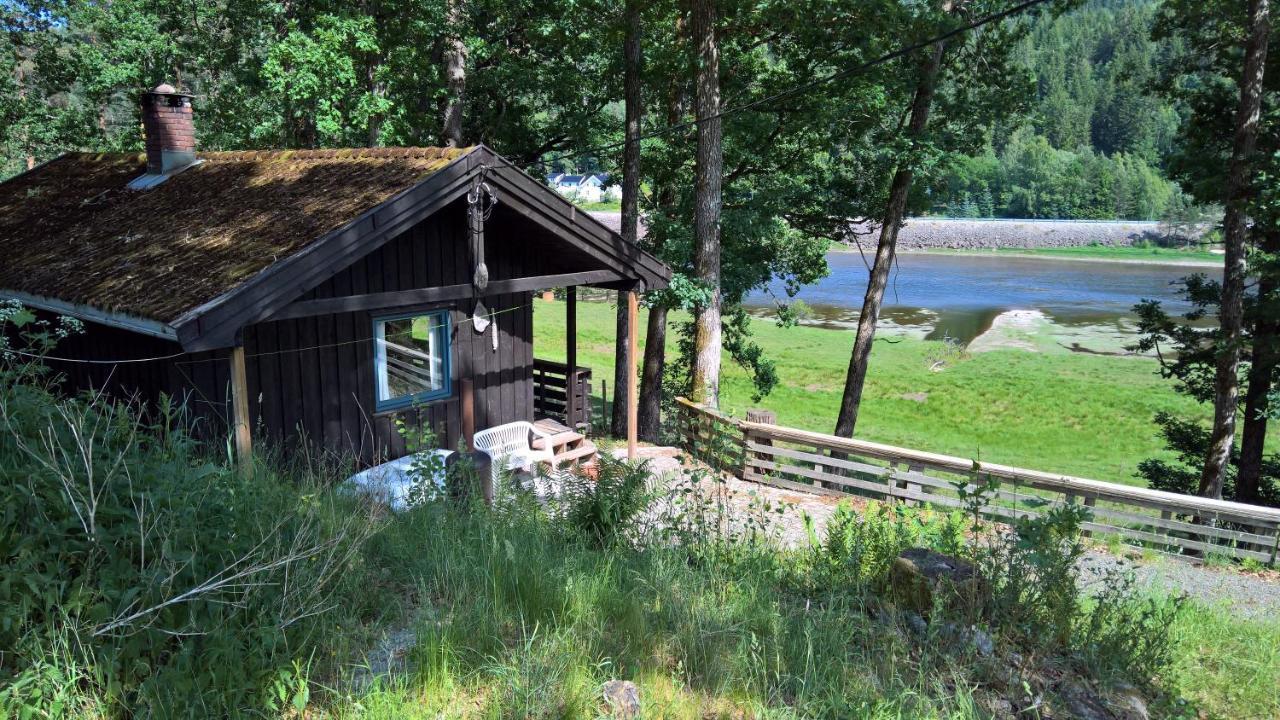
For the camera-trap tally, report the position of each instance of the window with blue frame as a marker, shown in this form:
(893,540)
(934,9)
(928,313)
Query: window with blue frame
(411,359)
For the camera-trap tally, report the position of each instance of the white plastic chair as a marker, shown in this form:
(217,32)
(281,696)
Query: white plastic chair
(509,447)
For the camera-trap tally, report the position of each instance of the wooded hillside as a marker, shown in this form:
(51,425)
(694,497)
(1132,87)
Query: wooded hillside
(1092,147)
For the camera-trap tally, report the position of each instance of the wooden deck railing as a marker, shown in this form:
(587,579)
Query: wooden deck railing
(552,383)
(832,465)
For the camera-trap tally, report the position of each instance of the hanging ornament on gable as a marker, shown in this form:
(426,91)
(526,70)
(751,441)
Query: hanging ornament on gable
(481,199)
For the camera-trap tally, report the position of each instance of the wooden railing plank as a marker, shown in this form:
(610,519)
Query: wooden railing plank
(769,454)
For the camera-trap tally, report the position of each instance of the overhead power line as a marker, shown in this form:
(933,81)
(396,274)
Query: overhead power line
(811,85)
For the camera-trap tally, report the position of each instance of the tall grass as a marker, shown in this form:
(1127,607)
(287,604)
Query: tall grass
(144,576)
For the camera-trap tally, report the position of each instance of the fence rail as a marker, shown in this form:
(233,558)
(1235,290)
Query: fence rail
(832,465)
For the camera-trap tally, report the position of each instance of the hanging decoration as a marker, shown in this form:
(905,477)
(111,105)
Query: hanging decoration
(481,199)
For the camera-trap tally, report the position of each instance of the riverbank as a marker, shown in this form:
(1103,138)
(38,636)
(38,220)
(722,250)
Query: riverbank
(1052,409)
(1132,255)
(1129,240)
(930,233)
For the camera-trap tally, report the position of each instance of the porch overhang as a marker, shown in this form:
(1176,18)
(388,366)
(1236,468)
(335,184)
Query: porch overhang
(274,294)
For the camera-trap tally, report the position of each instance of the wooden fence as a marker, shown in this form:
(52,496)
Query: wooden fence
(832,465)
(562,394)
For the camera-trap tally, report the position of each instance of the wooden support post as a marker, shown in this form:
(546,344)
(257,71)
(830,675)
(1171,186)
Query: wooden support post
(633,390)
(467,399)
(240,410)
(571,357)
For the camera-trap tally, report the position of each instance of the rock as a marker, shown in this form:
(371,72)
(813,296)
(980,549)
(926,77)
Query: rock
(982,642)
(621,698)
(1128,704)
(921,579)
(997,707)
(1081,703)
(917,624)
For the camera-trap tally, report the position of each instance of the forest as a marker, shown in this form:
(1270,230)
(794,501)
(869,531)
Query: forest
(1094,142)
(1090,144)
(149,572)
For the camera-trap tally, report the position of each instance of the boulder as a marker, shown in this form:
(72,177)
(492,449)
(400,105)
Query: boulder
(921,579)
(1081,703)
(1128,704)
(621,699)
(999,708)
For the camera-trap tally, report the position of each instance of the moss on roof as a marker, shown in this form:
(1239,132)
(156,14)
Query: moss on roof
(70,229)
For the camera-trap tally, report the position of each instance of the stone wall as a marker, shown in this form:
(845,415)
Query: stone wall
(931,233)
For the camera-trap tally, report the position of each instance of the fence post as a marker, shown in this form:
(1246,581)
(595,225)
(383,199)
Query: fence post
(763,417)
(1089,502)
(907,486)
(917,487)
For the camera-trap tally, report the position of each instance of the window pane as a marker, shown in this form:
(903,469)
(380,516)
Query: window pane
(410,355)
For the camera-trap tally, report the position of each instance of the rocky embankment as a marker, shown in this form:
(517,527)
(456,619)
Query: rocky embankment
(954,234)
(948,234)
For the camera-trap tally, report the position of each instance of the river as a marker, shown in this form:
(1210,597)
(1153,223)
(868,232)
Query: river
(959,297)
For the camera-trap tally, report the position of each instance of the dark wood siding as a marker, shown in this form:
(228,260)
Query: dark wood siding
(198,381)
(312,379)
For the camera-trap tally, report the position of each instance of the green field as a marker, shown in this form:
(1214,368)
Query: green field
(1131,253)
(1055,411)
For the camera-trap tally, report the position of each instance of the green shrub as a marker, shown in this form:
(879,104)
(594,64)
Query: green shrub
(861,545)
(144,577)
(603,509)
(1109,632)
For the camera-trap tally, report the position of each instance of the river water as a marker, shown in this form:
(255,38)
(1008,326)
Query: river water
(959,296)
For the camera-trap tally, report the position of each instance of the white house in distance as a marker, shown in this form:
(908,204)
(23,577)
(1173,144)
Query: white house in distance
(585,188)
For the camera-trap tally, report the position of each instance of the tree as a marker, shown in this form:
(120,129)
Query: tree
(886,248)
(1265,362)
(455,76)
(709,167)
(1239,184)
(624,364)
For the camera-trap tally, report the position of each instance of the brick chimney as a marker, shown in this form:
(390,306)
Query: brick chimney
(169,129)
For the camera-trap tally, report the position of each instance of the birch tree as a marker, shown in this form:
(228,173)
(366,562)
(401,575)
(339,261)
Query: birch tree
(708,172)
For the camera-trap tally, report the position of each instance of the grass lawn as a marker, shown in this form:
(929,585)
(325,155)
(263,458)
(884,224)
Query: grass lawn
(1064,412)
(602,206)
(1108,252)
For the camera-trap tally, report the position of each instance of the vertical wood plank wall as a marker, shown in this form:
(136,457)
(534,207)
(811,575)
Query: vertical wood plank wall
(313,378)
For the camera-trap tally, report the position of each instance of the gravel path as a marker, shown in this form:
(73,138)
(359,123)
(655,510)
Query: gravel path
(1246,595)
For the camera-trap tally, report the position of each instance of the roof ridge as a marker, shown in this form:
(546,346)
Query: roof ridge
(424,152)
(381,153)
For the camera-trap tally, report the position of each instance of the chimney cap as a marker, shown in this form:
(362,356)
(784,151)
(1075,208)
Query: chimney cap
(167,89)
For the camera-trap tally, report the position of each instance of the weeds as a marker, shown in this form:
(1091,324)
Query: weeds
(144,577)
(141,574)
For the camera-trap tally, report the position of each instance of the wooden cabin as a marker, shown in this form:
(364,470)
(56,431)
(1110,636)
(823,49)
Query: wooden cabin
(314,293)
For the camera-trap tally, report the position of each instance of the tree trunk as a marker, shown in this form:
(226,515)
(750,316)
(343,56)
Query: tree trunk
(1266,358)
(887,246)
(455,77)
(631,57)
(655,342)
(1226,384)
(20,78)
(622,361)
(708,177)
